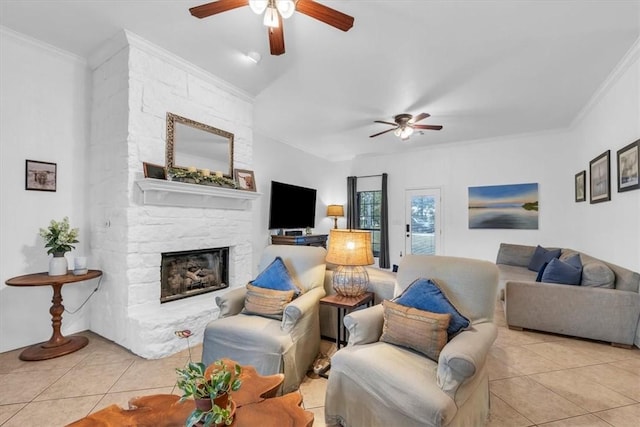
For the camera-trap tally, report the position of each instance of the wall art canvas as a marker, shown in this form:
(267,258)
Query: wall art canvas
(580,186)
(600,178)
(512,206)
(628,160)
(40,176)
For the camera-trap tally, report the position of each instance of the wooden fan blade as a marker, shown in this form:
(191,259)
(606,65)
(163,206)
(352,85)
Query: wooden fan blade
(420,116)
(431,127)
(276,38)
(386,123)
(380,133)
(325,14)
(219,6)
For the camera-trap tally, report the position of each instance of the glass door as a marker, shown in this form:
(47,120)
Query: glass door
(422,224)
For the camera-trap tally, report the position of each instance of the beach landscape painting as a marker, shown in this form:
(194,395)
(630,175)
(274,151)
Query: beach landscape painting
(513,206)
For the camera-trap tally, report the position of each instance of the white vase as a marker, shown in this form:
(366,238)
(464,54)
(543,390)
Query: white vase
(58,266)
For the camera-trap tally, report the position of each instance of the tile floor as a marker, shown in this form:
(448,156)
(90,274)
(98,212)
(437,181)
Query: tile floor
(535,380)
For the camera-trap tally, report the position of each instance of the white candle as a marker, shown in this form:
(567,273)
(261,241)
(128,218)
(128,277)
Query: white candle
(192,169)
(219,174)
(206,172)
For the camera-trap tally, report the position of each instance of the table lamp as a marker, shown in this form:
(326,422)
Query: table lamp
(335,211)
(350,250)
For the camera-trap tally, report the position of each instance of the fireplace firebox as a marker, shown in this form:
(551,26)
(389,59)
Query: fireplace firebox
(187,273)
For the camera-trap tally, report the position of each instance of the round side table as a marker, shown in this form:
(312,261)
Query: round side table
(58,345)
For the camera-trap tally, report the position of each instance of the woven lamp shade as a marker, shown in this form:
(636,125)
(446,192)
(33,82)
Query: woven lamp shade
(350,250)
(335,210)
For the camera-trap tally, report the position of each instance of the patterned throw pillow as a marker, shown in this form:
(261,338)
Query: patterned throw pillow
(541,256)
(266,302)
(277,277)
(425,294)
(418,330)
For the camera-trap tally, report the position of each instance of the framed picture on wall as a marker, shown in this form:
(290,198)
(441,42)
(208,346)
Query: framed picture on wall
(245,179)
(628,159)
(600,178)
(40,176)
(580,186)
(154,171)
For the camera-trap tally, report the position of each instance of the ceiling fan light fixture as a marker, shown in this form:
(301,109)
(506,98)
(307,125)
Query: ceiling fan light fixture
(286,8)
(258,6)
(271,17)
(403,132)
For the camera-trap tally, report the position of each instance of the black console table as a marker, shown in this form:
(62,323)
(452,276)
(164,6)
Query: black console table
(312,240)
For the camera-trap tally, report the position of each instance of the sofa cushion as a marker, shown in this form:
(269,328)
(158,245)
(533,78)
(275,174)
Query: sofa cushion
(416,329)
(425,294)
(541,272)
(277,277)
(563,272)
(266,302)
(542,255)
(597,274)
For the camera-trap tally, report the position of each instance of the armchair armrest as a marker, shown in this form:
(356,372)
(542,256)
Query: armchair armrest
(464,355)
(365,326)
(300,307)
(232,302)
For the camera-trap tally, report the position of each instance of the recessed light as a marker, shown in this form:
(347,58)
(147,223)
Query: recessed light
(255,57)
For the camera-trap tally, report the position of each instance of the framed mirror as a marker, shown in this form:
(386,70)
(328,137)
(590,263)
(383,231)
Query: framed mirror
(191,143)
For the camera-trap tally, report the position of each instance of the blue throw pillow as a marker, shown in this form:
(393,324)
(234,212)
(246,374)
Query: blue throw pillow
(424,294)
(541,272)
(277,277)
(567,272)
(540,256)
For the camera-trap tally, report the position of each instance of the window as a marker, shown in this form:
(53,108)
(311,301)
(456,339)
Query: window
(369,203)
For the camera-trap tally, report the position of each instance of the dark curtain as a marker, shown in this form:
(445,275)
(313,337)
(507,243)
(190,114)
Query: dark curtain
(352,203)
(384,226)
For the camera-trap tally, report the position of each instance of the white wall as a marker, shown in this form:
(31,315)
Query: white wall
(609,230)
(274,161)
(43,116)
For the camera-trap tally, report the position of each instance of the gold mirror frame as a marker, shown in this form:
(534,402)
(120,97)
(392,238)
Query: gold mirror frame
(218,136)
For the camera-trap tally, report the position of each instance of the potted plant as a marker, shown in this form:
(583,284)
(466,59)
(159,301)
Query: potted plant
(59,238)
(210,389)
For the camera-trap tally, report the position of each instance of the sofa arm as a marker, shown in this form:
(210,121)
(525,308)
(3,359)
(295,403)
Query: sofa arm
(464,355)
(365,326)
(232,302)
(300,307)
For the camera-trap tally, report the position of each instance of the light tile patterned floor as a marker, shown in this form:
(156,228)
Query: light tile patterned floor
(536,379)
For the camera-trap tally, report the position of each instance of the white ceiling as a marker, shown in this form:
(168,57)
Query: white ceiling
(482,69)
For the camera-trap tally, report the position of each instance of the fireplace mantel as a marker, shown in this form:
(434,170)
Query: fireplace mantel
(173,193)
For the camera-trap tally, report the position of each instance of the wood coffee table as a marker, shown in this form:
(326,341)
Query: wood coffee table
(255,402)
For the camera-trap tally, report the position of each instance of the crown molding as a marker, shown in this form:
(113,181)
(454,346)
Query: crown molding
(625,63)
(31,41)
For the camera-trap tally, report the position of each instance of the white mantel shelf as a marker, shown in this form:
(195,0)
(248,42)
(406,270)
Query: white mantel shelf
(174,193)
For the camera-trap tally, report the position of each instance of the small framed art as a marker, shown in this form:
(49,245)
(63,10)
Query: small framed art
(628,160)
(245,179)
(600,178)
(580,186)
(154,171)
(40,176)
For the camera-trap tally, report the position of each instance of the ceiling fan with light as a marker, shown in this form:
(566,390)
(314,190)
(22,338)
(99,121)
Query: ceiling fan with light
(405,124)
(274,11)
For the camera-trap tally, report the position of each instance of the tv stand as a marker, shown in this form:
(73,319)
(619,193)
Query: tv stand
(312,240)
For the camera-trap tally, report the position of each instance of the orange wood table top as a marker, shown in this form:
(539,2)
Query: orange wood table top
(255,402)
(58,345)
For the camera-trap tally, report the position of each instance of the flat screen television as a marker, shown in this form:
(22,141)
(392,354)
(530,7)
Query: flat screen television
(292,206)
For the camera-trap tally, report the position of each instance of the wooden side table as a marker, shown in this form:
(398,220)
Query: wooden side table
(345,305)
(58,345)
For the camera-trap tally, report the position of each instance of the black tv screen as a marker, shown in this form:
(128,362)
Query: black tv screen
(292,206)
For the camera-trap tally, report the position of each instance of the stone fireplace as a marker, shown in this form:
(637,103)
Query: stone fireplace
(136,220)
(187,273)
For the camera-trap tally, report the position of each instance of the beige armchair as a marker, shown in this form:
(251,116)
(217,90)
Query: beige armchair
(373,383)
(273,346)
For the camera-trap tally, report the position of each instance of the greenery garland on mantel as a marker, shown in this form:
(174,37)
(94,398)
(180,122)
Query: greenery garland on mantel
(197,176)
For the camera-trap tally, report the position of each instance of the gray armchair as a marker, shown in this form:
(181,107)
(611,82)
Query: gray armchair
(373,383)
(273,346)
